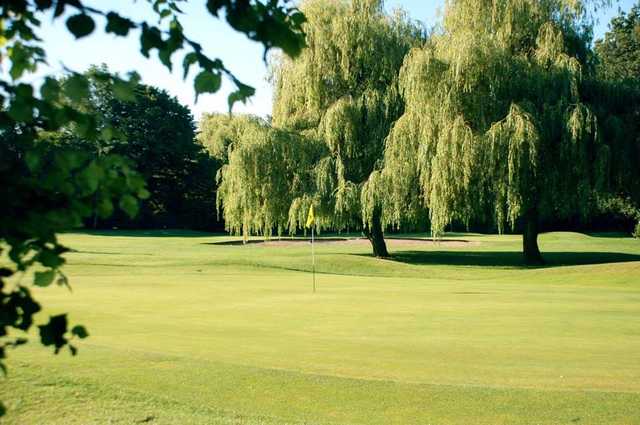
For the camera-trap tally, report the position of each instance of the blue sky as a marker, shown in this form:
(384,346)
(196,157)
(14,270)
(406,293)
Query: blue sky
(240,55)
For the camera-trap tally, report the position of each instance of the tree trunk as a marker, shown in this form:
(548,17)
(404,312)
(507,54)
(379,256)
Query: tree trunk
(376,237)
(530,248)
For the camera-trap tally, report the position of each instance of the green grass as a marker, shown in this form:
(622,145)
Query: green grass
(185,330)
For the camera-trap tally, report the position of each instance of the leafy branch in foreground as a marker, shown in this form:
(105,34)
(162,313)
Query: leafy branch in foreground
(47,190)
(51,191)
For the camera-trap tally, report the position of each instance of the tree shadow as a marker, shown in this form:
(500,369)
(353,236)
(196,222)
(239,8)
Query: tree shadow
(508,258)
(80,251)
(164,233)
(615,235)
(240,242)
(324,239)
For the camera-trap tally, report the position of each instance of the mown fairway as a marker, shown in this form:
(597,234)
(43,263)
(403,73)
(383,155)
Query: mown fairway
(187,331)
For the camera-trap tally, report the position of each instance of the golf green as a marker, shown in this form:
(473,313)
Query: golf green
(187,328)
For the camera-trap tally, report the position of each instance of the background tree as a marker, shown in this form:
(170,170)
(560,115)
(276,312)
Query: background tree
(616,99)
(267,172)
(341,92)
(47,192)
(496,124)
(156,133)
(616,94)
(619,50)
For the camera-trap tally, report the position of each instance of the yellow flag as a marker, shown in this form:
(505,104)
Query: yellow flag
(311,218)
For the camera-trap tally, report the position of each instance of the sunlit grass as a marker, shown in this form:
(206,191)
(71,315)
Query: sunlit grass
(186,330)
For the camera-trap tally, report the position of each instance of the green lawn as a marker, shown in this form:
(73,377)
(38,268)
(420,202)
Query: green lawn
(185,330)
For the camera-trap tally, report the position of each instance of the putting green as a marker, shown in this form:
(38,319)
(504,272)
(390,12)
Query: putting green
(188,330)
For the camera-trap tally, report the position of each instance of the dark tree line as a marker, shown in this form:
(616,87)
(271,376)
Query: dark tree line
(158,135)
(617,100)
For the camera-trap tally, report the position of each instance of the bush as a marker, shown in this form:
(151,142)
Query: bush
(620,208)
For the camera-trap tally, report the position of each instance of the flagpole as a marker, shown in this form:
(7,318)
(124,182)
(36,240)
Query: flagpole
(311,222)
(313,262)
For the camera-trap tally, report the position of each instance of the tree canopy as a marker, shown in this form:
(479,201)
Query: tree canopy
(496,124)
(615,95)
(619,50)
(265,171)
(336,102)
(157,134)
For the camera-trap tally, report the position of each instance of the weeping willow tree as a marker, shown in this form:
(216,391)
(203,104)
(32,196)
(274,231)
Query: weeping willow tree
(343,92)
(496,125)
(265,171)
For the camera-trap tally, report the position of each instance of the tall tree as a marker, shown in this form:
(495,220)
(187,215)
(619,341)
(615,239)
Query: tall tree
(341,92)
(496,125)
(157,133)
(616,97)
(619,50)
(266,176)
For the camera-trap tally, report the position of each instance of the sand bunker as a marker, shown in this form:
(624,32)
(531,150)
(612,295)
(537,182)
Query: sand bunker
(391,242)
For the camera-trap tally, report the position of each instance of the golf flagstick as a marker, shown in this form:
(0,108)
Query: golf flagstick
(311,223)
(313,262)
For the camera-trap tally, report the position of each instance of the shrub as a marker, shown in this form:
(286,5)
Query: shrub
(620,207)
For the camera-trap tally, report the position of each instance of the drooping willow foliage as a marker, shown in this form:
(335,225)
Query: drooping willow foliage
(341,93)
(265,171)
(344,91)
(217,132)
(496,123)
(498,117)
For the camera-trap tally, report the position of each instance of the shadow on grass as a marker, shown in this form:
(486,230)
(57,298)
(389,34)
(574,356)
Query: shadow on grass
(324,239)
(615,235)
(508,258)
(168,233)
(239,242)
(76,251)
